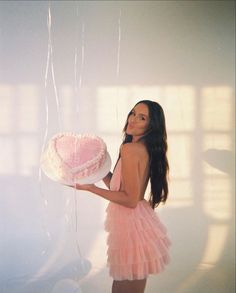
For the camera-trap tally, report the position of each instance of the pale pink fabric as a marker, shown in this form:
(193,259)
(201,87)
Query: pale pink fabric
(138,244)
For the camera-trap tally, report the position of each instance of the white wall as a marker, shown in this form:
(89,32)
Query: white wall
(179,53)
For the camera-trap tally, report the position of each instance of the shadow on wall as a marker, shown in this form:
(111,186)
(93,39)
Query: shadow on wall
(220,159)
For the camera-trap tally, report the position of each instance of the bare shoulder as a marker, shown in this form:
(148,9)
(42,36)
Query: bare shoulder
(134,150)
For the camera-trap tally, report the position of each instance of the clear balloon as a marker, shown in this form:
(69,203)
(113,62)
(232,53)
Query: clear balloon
(66,285)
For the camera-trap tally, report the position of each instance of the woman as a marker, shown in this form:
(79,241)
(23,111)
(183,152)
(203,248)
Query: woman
(137,240)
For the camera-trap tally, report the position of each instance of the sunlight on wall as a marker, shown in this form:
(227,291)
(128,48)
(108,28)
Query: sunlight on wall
(180,158)
(27,105)
(179,104)
(20,122)
(6,126)
(110,102)
(7,156)
(217,121)
(217,114)
(6,108)
(114,104)
(28,149)
(217,107)
(213,251)
(66,106)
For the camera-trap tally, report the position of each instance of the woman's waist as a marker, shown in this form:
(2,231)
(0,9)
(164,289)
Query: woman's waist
(140,202)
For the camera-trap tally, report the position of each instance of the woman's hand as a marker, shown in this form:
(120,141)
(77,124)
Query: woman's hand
(87,187)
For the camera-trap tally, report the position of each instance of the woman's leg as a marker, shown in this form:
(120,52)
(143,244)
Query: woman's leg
(136,286)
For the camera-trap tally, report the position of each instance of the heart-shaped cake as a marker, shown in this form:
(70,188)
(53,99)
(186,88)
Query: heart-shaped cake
(74,158)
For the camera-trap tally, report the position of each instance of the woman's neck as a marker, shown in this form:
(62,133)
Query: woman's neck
(136,138)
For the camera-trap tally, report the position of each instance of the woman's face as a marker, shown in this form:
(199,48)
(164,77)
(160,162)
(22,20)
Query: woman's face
(138,121)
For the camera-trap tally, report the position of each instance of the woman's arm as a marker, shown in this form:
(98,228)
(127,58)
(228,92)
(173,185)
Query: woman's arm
(130,194)
(107,180)
(119,197)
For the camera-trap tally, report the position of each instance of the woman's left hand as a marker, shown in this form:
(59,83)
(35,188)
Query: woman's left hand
(87,187)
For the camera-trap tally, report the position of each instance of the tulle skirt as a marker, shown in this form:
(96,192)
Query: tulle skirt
(137,241)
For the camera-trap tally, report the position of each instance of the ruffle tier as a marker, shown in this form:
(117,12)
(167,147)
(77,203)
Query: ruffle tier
(138,244)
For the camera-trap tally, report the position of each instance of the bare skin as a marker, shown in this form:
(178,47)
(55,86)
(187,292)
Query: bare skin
(136,286)
(134,172)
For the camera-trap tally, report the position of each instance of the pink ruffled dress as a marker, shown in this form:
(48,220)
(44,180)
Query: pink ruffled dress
(138,244)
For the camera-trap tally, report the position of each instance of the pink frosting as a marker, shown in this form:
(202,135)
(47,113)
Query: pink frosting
(75,152)
(69,156)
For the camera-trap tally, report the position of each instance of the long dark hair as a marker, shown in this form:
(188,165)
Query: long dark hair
(155,140)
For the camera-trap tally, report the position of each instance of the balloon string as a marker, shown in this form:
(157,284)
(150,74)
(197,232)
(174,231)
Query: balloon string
(46,96)
(82,55)
(77,92)
(52,67)
(76,224)
(49,60)
(47,114)
(77,89)
(119,40)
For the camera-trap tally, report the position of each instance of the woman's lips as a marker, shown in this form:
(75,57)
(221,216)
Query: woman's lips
(130,128)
